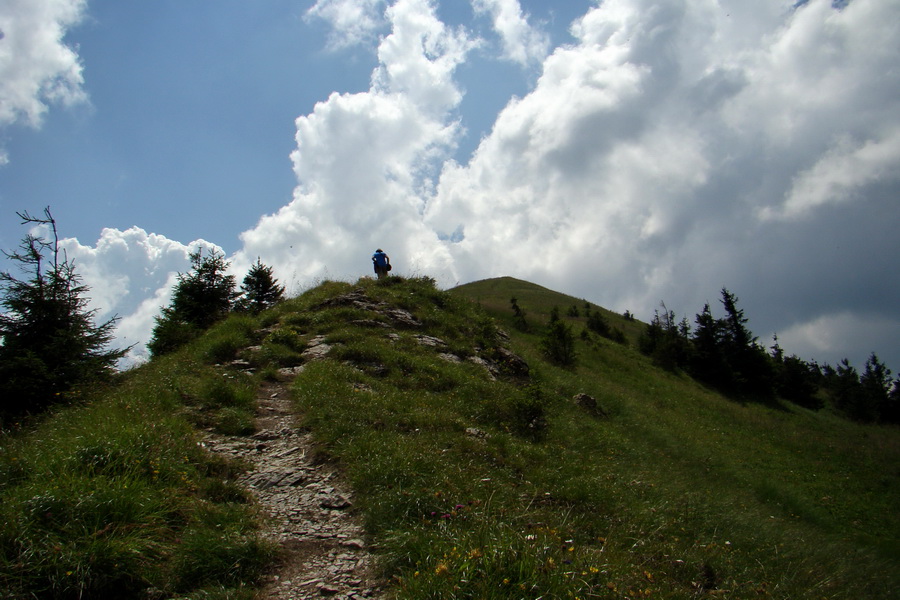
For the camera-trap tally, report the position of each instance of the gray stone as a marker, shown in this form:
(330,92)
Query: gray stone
(291,371)
(475,433)
(433,342)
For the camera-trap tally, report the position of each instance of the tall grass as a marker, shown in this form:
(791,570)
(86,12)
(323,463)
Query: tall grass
(493,489)
(117,499)
(471,486)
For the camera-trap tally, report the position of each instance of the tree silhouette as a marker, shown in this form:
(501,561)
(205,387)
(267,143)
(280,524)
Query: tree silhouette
(202,297)
(50,343)
(875,382)
(260,289)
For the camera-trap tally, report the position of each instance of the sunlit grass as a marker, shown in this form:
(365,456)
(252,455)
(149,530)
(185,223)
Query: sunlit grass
(676,493)
(113,498)
(469,486)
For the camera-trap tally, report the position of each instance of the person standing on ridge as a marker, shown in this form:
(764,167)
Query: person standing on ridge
(382,263)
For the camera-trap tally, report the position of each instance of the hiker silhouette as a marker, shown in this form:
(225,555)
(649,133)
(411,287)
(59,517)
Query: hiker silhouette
(381,262)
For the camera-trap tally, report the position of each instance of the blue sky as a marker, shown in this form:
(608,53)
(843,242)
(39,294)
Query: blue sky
(627,152)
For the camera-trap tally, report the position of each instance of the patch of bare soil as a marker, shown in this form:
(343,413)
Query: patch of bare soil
(324,552)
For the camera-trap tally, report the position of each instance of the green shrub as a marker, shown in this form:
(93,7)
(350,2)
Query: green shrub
(277,355)
(558,343)
(286,336)
(221,391)
(231,420)
(221,548)
(170,335)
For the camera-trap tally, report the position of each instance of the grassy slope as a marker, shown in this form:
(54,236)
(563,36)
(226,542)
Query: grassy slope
(115,498)
(808,501)
(471,487)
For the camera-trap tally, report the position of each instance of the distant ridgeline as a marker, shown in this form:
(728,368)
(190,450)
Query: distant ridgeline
(719,352)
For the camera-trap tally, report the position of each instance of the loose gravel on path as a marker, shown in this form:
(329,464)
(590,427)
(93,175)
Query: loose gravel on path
(324,553)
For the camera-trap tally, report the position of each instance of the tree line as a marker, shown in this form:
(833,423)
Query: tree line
(723,353)
(50,347)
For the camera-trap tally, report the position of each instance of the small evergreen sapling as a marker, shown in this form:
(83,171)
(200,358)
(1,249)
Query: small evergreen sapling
(558,343)
(260,289)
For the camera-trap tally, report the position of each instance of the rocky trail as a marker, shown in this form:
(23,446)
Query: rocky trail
(324,554)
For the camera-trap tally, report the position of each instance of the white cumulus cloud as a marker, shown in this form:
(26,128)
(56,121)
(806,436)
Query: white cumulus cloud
(522,42)
(130,275)
(840,172)
(650,157)
(670,150)
(365,162)
(37,68)
(353,22)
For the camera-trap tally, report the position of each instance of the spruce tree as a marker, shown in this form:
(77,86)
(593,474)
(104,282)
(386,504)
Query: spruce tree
(750,365)
(558,343)
(708,362)
(202,297)
(875,382)
(843,383)
(665,340)
(49,341)
(260,289)
(519,315)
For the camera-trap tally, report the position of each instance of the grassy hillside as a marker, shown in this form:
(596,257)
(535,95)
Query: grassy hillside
(808,502)
(475,479)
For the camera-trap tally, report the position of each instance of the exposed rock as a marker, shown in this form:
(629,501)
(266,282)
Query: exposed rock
(490,367)
(335,503)
(589,404)
(316,349)
(450,357)
(475,433)
(356,298)
(402,317)
(512,363)
(430,341)
(291,371)
(370,323)
(505,363)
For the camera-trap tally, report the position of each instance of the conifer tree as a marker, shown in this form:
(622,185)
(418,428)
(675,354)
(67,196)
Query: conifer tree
(558,343)
(49,341)
(202,297)
(891,411)
(519,315)
(875,382)
(843,382)
(708,363)
(749,363)
(260,289)
(665,340)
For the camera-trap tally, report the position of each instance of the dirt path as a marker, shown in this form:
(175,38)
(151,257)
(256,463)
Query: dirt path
(324,552)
